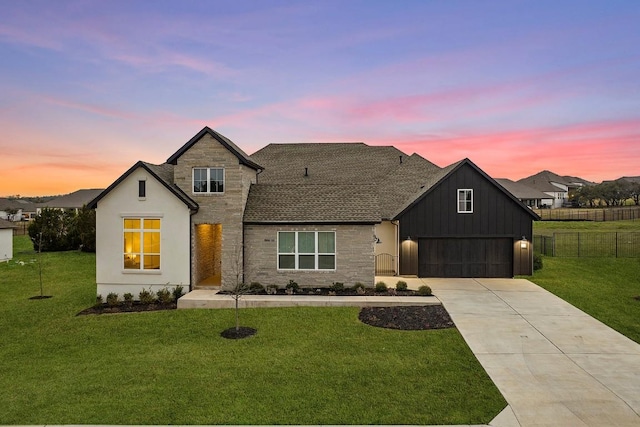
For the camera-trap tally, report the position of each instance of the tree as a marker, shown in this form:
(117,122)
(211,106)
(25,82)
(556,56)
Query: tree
(54,230)
(86,229)
(237,290)
(634,192)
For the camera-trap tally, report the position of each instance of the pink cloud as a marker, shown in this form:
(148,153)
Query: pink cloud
(595,151)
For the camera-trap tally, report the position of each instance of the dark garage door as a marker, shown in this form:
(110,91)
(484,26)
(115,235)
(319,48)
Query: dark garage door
(465,258)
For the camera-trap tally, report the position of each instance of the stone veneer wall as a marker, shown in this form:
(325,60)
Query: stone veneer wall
(355,260)
(226,209)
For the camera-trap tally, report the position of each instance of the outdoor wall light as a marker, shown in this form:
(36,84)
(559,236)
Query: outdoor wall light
(523,243)
(408,238)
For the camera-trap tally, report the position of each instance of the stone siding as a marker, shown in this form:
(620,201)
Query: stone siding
(355,260)
(226,208)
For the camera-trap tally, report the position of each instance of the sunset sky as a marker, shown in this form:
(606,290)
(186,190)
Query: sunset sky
(88,88)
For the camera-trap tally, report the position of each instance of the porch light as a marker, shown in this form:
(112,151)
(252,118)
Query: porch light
(408,238)
(523,243)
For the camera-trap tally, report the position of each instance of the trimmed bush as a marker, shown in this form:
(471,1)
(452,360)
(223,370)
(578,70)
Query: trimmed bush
(292,286)
(164,296)
(112,299)
(381,287)
(177,292)
(146,296)
(537,262)
(272,289)
(359,288)
(99,300)
(256,288)
(337,287)
(401,285)
(424,291)
(128,299)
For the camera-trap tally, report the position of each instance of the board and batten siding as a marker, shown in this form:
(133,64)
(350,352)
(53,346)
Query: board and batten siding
(495,214)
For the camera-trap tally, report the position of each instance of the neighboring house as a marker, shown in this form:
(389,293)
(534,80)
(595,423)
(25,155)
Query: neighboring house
(312,213)
(72,201)
(16,209)
(529,196)
(559,188)
(6,240)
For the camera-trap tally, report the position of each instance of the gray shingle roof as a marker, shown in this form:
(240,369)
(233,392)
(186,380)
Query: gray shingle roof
(25,205)
(77,199)
(364,183)
(521,190)
(404,182)
(326,163)
(312,203)
(6,224)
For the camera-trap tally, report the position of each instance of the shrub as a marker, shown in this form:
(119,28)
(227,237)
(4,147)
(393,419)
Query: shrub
(272,289)
(292,286)
(164,296)
(177,292)
(146,296)
(128,298)
(537,262)
(359,288)
(112,299)
(424,291)
(337,286)
(256,288)
(99,300)
(401,285)
(381,287)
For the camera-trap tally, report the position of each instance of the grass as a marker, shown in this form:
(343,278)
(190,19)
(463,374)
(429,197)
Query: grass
(305,365)
(602,287)
(549,227)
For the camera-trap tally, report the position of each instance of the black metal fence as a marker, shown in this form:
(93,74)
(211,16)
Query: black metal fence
(604,214)
(588,244)
(385,265)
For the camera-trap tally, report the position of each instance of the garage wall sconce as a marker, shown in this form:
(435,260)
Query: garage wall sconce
(524,243)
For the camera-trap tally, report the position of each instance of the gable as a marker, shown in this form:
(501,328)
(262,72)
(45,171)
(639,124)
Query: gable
(242,157)
(495,210)
(161,173)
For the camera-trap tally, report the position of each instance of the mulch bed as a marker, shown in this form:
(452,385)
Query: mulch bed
(408,318)
(396,317)
(126,308)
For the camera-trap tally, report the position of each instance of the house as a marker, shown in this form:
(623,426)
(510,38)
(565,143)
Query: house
(72,201)
(16,209)
(558,188)
(529,196)
(6,240)
(312,213)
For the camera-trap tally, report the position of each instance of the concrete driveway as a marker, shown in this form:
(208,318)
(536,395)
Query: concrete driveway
(554,364)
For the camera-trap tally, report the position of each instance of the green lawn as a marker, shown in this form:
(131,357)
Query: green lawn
(549,227)
(305,365)
(602,287)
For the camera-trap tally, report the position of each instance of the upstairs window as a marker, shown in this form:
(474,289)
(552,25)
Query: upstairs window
(465,200)
(306,250)
(208,180)
(142,188)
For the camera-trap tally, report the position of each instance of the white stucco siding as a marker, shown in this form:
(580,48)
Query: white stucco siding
(123,201)
(6,244)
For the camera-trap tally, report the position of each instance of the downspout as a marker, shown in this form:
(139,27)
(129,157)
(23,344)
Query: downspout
(192,212)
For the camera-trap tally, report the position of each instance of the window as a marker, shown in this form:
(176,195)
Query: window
(208,180)
(465,201)
(142,188)
(141,243)
(306,250)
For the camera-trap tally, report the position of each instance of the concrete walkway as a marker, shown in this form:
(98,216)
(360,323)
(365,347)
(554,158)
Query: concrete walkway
(554,364)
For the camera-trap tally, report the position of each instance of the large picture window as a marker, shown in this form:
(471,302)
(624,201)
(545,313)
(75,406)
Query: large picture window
(141,243)
(465,201)
(208,180)
(306,250)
